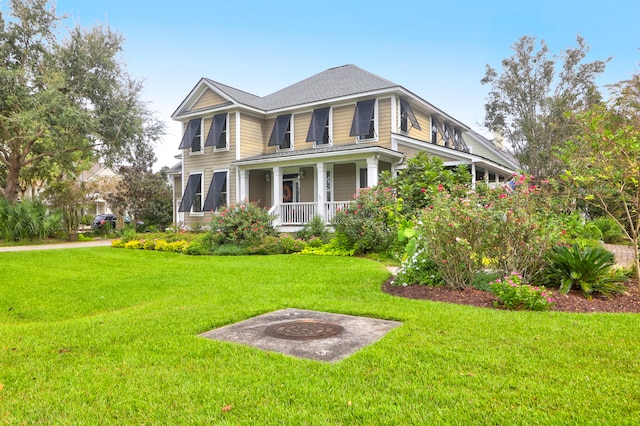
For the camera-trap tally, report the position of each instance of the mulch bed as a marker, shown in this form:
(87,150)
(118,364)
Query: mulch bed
(572,302)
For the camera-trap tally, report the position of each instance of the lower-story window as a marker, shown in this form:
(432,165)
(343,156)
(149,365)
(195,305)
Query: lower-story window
(192,197)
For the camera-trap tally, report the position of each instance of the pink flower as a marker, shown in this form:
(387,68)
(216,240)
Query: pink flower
(440,187)
(502,196)
(423,190)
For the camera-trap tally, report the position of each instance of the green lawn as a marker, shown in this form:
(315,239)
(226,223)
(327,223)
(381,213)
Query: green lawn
(109,336)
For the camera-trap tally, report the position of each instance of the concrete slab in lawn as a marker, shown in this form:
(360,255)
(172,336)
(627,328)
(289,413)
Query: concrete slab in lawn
(298,333)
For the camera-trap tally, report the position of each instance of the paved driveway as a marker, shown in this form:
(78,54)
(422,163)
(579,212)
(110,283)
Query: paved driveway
(79,244)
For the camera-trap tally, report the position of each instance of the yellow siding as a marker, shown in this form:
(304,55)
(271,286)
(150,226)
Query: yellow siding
(307,185)
(259,188)
(344,181)
(342,118)
(209,99)
(424,119)
(408,151)
(384,123)
(301,123)
(251,135)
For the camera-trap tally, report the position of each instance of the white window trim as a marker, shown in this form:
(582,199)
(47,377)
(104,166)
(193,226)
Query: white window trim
(191,152)
(375,126)
(227,186)
(330,143)
(291,136)
(200,213)
(228,146)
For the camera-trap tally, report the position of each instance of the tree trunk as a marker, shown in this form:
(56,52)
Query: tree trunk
(12,188)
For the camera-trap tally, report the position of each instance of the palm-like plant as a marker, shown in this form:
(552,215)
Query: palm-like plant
(588,268)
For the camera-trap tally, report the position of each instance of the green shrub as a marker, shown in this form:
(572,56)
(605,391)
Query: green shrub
(161,245)
(230,250)
(590,269)
(244,224)
(287,244)
(316,228)
(268,245)
(482,279)
(611,231)
(28,219)
(315,242)
(203,244)
(419,268)
(498,231)
(368,224)
(513,294)
(334,248)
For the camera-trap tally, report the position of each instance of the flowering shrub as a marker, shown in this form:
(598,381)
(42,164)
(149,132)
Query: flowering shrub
(244,224)
(513,294)
(133,244)
(368,224)
(498,231)
(117,243)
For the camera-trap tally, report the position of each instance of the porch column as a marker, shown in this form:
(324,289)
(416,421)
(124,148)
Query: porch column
(321,190)
(276,181)
(473,175)
(372,171)
(243,185)
(486,176)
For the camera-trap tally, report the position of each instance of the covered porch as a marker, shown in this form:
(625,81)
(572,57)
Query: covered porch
(296,186)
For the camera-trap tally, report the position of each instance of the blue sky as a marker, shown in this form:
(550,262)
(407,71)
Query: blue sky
(437,50)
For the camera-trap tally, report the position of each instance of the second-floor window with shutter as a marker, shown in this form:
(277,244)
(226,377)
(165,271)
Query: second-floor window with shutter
(319,127)
(364,120)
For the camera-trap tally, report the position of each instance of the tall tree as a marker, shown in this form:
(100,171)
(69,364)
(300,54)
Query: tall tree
(529,100)
(145,195)
(603,160)
(65,103)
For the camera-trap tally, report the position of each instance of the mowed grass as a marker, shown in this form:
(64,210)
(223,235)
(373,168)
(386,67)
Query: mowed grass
(108,336)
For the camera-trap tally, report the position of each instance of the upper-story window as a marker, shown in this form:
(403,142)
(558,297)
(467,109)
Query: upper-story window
(281,133)
(407,117)
(434,129)
(364,125)
(319,127)
(192,197)
(218,135)
(192,138)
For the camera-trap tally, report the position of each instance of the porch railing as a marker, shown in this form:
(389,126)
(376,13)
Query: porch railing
(302,213)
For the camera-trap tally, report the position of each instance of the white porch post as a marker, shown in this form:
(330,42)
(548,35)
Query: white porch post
(473,175)
(243,185)
(277,192)
(486,176)
(321,192)
(372,171)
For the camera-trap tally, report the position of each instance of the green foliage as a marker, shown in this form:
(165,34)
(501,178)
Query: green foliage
(230,250)
(117,243)
(611,231)
(419,268)
(499,231)
(27,220)
(287,244)
(204,244)
(424,177)
(588,268)
(316,228)
(368,224)
(482,279)
(335,247)
(134,244)
(528,101)
(244,224)
(65,98)
(512,293)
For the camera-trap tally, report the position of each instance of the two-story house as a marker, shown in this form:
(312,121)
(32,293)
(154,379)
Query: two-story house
(307,149)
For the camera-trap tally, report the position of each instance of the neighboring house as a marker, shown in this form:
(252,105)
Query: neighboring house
(307,149)
(104,179)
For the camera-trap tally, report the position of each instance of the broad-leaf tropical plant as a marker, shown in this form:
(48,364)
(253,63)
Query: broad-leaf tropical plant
(588,268)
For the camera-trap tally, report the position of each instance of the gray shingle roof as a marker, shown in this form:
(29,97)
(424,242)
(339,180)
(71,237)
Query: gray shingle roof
(335,82)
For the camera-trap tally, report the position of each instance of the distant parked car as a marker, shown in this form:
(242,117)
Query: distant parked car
(100,220)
